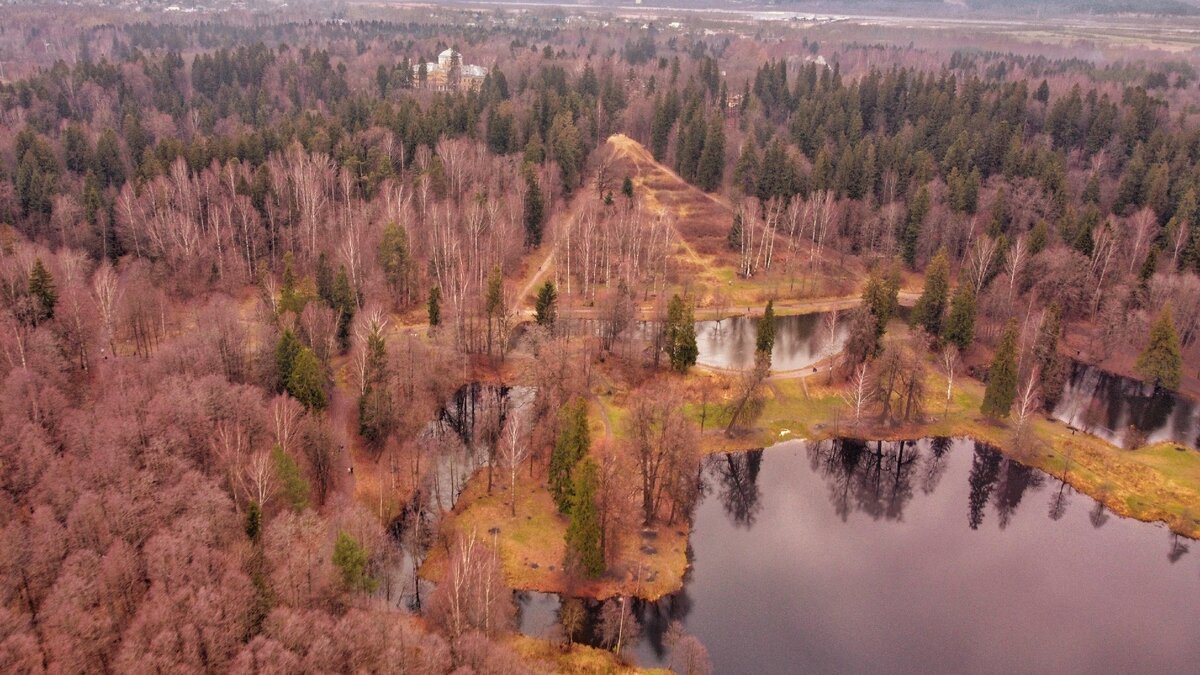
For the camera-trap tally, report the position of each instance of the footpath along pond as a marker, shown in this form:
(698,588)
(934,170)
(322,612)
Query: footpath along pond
(938,555)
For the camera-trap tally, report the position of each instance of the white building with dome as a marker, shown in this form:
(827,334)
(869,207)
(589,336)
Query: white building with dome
(449,73)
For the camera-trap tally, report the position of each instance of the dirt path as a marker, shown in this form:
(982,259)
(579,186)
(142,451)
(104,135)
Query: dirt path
(341,421)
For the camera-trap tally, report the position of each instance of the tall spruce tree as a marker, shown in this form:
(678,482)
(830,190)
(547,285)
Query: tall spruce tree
(42,291)
(1161,364)
(960,322)
(572,443)
(286,351)
(546,306)
(931,307)
(585,551)
(534,210)
(306,382)
(433,307)
(711,168)
(1050,365)
(680,337)
(1002,376)
(764,340)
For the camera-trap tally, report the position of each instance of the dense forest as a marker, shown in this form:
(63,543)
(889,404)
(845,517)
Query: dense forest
(234,252)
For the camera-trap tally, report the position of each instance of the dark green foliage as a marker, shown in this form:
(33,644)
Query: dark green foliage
(960,322)
(376,410)
(534,210)
(627,187)
(572,444)
(286,351)
(1051,366)
(396,262)
(253,521)
(344,304)
(734,238)
(292,482)
(353,560)
(764,339)
(881,298)
(42,292)
(931,306)
(585,552)
(1002,376)
(711,168)
(433,307)
(745,172)
(306,381)
(914,221)
(546,305)
(1161,363)
(680,334)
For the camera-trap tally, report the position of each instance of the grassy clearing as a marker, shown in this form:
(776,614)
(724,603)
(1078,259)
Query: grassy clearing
(578,659)
(531,545)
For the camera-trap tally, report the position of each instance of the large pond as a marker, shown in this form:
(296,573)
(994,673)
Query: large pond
(930,556)
(1125,411)
(800,341)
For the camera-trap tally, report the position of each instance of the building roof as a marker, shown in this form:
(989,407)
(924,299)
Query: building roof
(448,53)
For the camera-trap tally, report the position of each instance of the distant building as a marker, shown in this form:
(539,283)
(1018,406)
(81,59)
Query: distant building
(449,73)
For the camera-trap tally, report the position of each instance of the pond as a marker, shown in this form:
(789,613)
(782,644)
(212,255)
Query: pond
(1126,412)
(936,555)
(801,340)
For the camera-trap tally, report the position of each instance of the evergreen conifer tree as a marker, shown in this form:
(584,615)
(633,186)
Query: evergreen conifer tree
(931,306)
(585,552)
(1002,376)
(1161,364)
(960,322)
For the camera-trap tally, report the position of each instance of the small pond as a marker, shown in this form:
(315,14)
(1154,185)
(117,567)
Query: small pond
(1124,411)
(936,555)
(800,341)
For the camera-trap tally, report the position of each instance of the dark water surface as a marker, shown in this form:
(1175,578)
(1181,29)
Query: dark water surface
(934,556)
(800,341)
(1126,412)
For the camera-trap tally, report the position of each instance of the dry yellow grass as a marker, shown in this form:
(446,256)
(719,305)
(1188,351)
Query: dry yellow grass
(532,545)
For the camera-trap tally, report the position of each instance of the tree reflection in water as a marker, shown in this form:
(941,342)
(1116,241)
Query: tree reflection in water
(739,493)
(873,477)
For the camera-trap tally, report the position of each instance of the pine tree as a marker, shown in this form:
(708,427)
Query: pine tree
(584,550)
(931,307)
(286,351)
(306,382)
(1002,376)
(344,303)
(535,210)
(764,340)
(711,168)
(734,238)
(42,290)
(572,444)
(960,322)
(627,188)
(680,334)
(881,298)
(745,172)
(253,521)
(295,487)
(376,413)
(353,560)
(434,306)
(396,262)
(1161,364)
(1051,370)
(545,308)
(918,208)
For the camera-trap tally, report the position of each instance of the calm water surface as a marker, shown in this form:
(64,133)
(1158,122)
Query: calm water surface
(800,341)
(1125,411)
(931,556)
